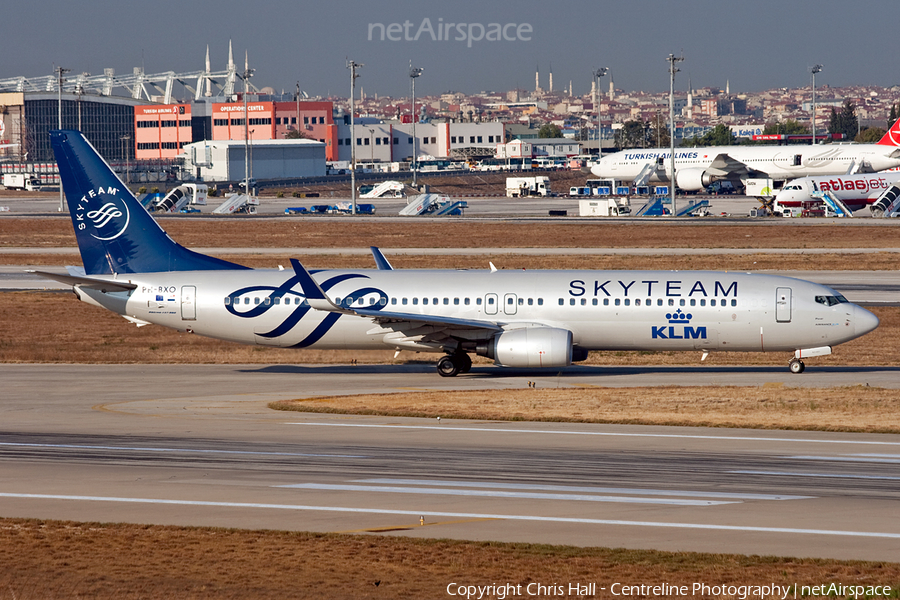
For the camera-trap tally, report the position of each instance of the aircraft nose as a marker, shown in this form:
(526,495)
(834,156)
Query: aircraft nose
(864,320)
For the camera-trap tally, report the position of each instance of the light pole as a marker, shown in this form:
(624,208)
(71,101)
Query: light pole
(125,139)
(59,81)
(814,70)
(414,73)
(248,73)
(598,74)
(298,108)
(672,70)
(352,66)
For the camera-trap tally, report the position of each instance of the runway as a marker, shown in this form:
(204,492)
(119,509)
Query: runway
(196,445)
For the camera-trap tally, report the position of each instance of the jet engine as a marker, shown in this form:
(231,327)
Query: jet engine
(529,347)
(692,180)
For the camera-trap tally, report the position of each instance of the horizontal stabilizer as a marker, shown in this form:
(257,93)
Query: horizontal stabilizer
(103,285)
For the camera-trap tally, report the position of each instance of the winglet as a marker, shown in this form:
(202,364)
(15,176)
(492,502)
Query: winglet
(380,261)
(314,293)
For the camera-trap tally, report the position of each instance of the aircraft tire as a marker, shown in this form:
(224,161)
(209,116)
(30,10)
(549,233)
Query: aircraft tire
(796,366)
(464,362)
(447,367)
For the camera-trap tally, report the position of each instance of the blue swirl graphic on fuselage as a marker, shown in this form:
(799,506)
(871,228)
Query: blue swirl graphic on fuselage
(285,290)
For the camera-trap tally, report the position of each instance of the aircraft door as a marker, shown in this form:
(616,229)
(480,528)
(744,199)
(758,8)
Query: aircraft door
(783,305)
(188,303)
(509,304)
(490,304)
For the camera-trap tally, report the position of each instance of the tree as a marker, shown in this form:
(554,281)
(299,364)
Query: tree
(789,127)
(845,121)
(549,131)
(870,135)
(633,134)
(892,117)
(721,135)
(295,134)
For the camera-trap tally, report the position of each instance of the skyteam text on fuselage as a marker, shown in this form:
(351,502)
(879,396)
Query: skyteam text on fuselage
(517,318)
(697,168)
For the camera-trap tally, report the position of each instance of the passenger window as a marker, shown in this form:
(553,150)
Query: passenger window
(584,301)
(256,301)
(227,300)
(447,301)
(509,300)
(530,301)
(671,302)
(606,302)
(712,302)
(659,302)
(491,301)
(424,301)
(637,301)
(415,301)
(247,300)
(734,301)
(571,301)
(702,302)
(434,301)
(478,301)
(618,301)
(627,302)
(681,302)
(540,301)
(561,301)
(693,302)
(466,301)
(522,301)
(594,302)
(394,301)
(404,301)
(371,301)
(456,301)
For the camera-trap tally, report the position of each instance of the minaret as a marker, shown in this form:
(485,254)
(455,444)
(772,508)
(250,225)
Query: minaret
(208,92)
(537,79)
(727,88)
(551,78)
(612,88)
(690,99)
(570,87)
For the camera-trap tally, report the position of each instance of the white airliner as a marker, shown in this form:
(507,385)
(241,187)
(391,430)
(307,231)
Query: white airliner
(696,168)
(855,191)
(517,318)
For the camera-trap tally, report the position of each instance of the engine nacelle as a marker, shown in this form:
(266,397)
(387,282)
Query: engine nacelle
(692,180)
(530,347)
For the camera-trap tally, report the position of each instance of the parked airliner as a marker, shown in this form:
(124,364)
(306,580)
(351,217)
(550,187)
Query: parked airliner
(517,318)
(696,168)
(855,191)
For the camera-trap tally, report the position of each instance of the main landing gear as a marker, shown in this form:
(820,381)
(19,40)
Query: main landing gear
(452,364)
(796,366)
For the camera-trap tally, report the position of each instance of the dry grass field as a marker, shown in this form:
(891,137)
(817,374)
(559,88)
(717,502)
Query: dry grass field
(771,406)
(45,560)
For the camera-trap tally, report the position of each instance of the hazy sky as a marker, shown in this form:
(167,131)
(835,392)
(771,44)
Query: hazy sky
(755,44)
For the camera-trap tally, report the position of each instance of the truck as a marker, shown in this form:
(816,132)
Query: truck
(612,206)
(522,187)
(21,181)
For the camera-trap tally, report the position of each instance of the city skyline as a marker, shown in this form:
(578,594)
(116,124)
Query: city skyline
(467,47)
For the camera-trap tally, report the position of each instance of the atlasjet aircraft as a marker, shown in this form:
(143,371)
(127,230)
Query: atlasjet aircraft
(517,318)
(696,168)
(855,191)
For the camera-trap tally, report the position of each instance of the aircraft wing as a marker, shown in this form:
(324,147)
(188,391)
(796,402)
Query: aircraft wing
(104,285)
(726,167)
(317,299)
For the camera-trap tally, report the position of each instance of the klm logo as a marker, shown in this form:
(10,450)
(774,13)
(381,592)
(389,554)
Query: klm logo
(678,328)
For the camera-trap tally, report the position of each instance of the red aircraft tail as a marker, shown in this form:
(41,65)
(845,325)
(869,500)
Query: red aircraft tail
(892,137)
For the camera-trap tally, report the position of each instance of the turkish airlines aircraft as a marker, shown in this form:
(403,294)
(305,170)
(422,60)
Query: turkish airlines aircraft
(696,168)
(855,191)
(517,318)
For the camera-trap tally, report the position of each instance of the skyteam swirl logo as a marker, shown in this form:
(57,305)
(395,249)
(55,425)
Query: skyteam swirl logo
(284,293)
(109,221)
(103,216)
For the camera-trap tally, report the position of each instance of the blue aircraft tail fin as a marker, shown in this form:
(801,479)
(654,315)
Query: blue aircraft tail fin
(115,233)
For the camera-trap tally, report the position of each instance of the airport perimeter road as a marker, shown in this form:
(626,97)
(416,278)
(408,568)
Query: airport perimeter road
(196,445)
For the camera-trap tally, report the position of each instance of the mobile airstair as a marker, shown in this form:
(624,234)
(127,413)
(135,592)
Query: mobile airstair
(433,204)
(888,203)
(694,208)
(386,189)
(236,203)
(174,201)
(834,203)
(653,208)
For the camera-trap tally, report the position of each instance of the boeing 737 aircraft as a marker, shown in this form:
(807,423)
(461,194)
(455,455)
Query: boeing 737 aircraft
(517,318)
(696,168)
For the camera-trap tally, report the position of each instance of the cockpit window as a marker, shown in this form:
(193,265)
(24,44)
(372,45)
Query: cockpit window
(831,300)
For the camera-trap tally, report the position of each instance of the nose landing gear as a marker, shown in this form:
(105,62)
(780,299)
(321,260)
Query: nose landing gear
(796,366)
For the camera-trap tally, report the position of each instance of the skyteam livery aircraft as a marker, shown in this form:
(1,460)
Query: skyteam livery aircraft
(696,168)
(517,318)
